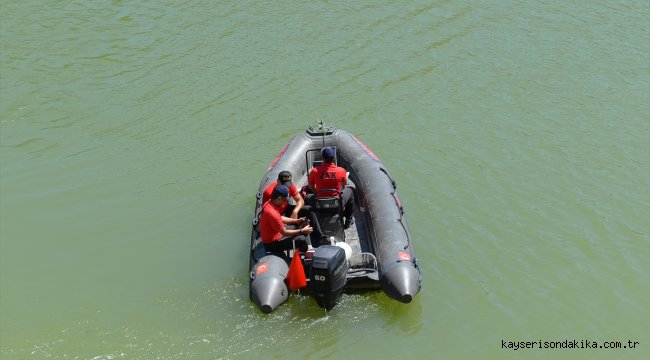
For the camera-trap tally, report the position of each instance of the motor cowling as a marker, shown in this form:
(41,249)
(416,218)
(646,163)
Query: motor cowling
(328,275)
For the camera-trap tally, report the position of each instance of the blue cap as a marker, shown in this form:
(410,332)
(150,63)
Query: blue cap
(281,190)
(328,152)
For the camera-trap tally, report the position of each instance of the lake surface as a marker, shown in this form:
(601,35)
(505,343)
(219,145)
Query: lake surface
(133,136)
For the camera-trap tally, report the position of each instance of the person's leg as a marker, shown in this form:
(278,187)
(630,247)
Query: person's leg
(289,210)
(302,243)
(275,246)
(347,196)
(317,234)
(305,212)
(309,199)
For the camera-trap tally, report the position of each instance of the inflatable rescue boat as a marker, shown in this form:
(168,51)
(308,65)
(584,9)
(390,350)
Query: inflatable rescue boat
(375,252)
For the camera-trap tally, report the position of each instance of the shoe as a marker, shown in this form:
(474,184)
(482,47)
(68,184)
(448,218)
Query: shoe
(348,221)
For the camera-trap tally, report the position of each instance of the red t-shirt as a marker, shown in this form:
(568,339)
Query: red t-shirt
(266,196)
(271,223)
(328,176)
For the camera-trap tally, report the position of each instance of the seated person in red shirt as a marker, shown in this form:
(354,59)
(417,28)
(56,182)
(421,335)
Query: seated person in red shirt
(330,176)
(284,178)
(272,225)
(299,209)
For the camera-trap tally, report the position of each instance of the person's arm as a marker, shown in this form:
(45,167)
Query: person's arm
(300,202)
(302,231)
(294,232)
(292,221)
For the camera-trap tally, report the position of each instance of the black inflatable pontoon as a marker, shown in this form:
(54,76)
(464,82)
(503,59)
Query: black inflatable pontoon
(374,253)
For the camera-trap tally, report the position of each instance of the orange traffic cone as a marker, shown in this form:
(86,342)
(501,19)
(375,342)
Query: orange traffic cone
(296,275)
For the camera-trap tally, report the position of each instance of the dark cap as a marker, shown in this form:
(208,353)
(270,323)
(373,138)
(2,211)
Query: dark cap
(328,153)
(280,190)
(284,178)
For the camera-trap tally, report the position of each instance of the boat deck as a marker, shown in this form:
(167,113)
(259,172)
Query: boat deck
(363,263)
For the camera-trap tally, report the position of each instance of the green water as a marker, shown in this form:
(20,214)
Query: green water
(133,136)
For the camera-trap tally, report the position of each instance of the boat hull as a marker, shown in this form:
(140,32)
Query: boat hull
(383,256)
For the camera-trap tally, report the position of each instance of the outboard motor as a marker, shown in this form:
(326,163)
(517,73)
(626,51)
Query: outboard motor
(268,289)
(328,275)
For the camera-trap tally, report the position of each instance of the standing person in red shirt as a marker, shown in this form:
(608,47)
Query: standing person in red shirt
(284,178)
(330,176)
(272,225)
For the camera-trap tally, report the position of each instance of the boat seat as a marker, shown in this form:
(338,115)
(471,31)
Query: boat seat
(329,214)
(328,205)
